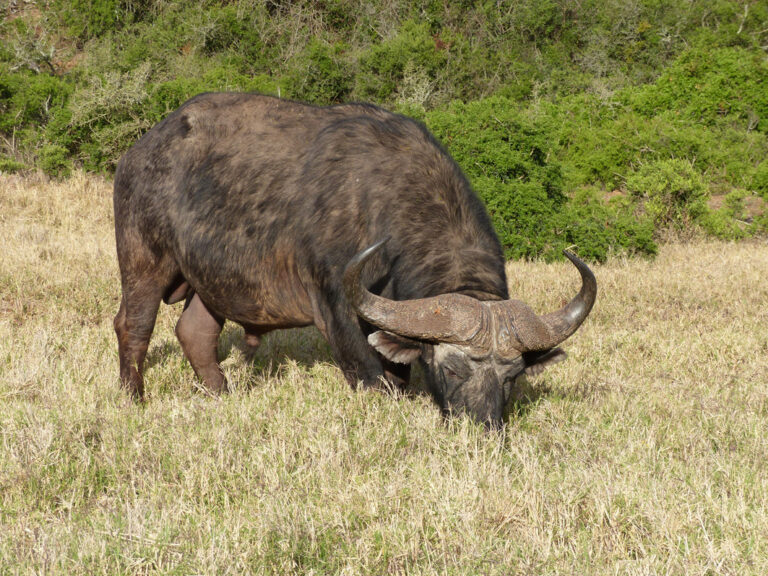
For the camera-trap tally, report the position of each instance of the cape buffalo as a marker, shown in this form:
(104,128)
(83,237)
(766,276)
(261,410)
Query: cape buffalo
(271,214)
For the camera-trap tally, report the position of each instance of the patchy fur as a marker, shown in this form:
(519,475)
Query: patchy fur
(250,207)
(255,204)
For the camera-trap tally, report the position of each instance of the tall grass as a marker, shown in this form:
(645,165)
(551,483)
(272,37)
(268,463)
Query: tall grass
(644,453)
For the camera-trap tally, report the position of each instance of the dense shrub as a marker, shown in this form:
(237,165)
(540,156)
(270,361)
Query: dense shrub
(596,140)
(760,180)
(55,161)
(383,66)
(108,115)
(321,75)
(707,86)
(91,18)
(727,221)
(10,165)
(230,28)
(548,106)
(673,193)
(600,228)
(506,157)
(509,161)
(27,102)
(27,98)
(603,140)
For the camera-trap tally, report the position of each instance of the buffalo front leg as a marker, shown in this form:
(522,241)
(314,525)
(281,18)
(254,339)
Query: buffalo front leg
(357,360)
(198,331)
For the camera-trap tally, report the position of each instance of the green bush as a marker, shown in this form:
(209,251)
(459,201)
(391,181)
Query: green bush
(55,161)
(760,180)
(708,85)
(603,140)
(10,165)
(320,74)
(597,141)
(109,115)
(599,229)
(383,66)
(507,159)
(672,192)
(731,221)
(27,102)
(27,98)
(88,19)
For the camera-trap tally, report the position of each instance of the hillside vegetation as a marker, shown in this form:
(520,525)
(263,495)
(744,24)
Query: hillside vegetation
(607,125)
(643,453)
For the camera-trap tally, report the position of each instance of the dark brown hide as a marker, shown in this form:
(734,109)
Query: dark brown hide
(250,207)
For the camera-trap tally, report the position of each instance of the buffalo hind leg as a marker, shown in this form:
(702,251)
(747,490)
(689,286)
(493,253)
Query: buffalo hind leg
(133,325)
(198,331)
(251,342)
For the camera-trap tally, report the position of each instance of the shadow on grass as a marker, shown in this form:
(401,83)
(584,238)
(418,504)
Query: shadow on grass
(304,346)
(307,347)
(523,398)
(157,353)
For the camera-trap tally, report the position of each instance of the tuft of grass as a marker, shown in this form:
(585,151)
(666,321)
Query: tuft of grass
(643,453)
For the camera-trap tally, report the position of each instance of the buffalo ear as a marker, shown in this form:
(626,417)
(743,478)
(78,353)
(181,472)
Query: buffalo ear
(395,348)
(535,362)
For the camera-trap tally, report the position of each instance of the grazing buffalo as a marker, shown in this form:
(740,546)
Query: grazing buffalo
(273,214)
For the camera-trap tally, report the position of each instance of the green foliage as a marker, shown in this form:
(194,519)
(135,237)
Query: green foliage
(707,86)
(601,228)
(26,98)
(731,220)
(760,180)
(509,161)
(548,106)
(384,65)
(55,161)
(597,141)
(91,18)
(10,165)
(506,158)
(232,29)
(108,115)
(320,75)
(27,102)
(673,193)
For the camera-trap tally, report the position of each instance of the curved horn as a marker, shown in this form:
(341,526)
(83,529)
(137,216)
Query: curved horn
(446,318)
(549,330)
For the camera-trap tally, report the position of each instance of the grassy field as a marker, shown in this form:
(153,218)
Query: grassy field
(644,453)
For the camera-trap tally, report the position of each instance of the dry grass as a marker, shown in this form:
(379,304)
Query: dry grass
(645,453)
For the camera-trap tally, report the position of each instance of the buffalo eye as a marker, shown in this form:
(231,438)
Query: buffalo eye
(454,375)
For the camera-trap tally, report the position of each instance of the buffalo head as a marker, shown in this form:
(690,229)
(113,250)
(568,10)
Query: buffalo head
(471,350)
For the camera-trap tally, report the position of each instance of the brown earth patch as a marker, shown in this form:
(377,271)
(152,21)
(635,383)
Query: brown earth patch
(754,206)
